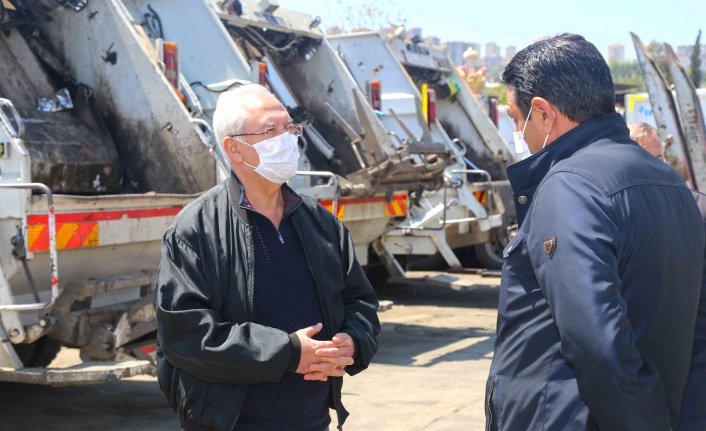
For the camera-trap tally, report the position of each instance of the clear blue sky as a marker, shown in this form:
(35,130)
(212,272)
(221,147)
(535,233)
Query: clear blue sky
(518,23)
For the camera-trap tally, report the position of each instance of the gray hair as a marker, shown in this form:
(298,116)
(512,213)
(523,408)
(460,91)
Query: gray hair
(233,109)
(641,130)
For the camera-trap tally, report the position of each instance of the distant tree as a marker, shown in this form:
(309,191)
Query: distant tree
(656,50)
(695,68)
(366,15)
(627,72)
(499,91)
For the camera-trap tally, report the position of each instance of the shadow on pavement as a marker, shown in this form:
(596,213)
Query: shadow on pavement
(119,405)
(426,346)
(480,297)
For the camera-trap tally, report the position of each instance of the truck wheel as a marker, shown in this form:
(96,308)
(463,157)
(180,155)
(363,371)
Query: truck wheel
(490,254)
(38,354)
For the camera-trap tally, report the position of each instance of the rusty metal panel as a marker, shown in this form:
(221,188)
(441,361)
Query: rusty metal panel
(692,118)
(665,112)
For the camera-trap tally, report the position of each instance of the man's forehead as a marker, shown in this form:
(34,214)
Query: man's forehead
(273,120)
(271,112)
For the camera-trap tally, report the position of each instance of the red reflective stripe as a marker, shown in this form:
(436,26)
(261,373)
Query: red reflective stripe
(79,236)
(148,349)
(329,202)
(36,219)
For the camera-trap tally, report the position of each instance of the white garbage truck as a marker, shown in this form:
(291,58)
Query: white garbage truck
(97,155)
(420,98)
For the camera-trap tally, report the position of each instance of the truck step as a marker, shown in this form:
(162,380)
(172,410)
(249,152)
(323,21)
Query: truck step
(85,373)
(462,281)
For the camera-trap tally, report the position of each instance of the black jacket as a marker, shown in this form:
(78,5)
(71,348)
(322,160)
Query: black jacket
(209,349)
(600,288)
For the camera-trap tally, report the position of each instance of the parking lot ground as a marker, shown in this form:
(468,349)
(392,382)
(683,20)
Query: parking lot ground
(429,374)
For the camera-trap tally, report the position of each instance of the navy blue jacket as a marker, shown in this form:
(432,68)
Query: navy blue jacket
(693,407)
(600,288)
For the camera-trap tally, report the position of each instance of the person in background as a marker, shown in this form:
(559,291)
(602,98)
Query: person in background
(592,334)
(646,136)
(693,407)
(261,303)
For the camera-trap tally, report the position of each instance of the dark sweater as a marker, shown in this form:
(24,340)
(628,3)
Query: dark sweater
(286,298)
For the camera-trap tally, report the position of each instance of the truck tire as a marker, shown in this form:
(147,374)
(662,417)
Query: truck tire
(490,254)
(38,354)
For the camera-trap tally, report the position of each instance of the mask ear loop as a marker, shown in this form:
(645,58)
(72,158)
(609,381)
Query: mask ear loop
(526,120)
(547,137)
(245,143)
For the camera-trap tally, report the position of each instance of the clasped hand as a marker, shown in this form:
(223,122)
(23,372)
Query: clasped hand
(323,359)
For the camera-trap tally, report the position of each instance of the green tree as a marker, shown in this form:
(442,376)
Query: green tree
(497,90)
(695,68)
(629,73)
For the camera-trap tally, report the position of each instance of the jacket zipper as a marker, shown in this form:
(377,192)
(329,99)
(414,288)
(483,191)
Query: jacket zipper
(324,312)
(490,409)
(284,217)
(250,282)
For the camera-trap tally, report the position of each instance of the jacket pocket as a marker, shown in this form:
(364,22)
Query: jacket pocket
(168,378)
(191,396)
(491,411)
(513,245)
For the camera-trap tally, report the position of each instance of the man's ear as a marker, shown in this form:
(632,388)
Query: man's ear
(232,150)
(546,112)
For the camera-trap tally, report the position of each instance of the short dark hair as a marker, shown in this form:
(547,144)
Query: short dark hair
(566,70)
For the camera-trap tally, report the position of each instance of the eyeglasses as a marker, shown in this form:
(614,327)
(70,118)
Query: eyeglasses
(292,129)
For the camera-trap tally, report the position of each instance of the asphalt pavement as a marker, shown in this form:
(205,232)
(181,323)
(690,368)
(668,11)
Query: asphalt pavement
(429,374)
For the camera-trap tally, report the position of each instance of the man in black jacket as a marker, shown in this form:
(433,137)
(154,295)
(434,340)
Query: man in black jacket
(601,284)
(261,304)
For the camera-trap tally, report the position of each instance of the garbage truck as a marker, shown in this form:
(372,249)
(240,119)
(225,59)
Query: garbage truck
(416,90)
(97,155)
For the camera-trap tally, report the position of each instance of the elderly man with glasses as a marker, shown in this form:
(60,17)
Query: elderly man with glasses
(261,304)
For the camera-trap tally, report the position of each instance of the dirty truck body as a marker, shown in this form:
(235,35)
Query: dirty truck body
(86,193)
(401,69)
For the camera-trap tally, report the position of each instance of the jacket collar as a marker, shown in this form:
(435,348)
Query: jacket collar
(526,175)
(240,203)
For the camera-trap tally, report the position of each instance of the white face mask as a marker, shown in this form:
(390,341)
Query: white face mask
(521,148)
(279,157)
